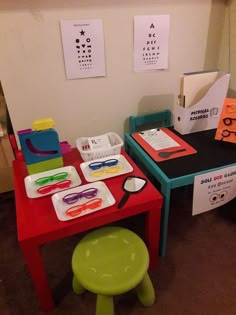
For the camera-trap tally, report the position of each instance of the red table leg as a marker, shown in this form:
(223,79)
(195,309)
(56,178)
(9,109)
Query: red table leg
(152,231)
(38,274)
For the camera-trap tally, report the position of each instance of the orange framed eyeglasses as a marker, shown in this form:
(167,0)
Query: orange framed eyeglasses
(89,205)
(48,188)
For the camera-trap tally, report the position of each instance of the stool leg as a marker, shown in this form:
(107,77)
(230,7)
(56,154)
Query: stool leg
(77,288)
(145,291)
(104,305)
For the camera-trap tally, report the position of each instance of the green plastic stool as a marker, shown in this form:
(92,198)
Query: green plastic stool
(111,261)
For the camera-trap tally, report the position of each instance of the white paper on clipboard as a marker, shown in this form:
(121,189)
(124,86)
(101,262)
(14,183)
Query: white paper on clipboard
(158,139)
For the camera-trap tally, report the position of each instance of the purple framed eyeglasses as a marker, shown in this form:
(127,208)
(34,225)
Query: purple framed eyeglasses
(74,197)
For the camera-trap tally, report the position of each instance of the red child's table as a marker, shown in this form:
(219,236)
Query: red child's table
(38,224)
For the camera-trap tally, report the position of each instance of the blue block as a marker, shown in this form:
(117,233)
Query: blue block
(39,146)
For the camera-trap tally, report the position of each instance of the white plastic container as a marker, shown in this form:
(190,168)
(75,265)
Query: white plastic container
(89,154)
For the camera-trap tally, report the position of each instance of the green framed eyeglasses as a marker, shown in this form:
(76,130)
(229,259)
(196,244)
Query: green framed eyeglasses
(48,179)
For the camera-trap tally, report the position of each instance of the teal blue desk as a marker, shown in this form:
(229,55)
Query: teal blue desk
(211,155)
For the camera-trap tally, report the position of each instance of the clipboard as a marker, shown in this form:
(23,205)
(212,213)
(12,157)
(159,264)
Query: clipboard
(162,144)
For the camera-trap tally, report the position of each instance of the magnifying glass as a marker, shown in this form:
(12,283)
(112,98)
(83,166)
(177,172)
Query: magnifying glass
(131,185)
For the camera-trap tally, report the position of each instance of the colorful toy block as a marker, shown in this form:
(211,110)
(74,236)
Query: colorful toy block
(43,124)
(41,147)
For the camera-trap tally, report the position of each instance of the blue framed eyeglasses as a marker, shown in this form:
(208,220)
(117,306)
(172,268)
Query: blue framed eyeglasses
(74,197)
(100,164)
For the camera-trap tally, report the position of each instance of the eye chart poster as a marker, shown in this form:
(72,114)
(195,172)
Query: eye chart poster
(151,41)
(83,46)
(214,189)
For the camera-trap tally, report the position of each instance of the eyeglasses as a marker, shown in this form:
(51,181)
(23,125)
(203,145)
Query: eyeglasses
(231,108)
(100,164)
(48,188)
(47,179)
(226,133)
(89,205)
(111,170)
(228,121)
(74,197)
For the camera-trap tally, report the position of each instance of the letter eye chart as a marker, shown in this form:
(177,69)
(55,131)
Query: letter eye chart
(83,47)
(151,41)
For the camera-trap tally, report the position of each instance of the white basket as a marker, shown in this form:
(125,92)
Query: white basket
(87,154)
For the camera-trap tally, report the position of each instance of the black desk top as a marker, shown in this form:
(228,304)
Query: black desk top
(210,154)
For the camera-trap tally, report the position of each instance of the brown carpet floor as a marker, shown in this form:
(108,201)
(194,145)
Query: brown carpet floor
(196,277)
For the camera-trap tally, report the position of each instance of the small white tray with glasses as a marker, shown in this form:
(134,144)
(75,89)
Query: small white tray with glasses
(48,182)
(104,168)
(79,201)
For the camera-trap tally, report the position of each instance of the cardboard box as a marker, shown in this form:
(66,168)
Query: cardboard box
(6,158)
(204,114)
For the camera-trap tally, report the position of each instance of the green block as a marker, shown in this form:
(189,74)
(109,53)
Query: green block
(44,166)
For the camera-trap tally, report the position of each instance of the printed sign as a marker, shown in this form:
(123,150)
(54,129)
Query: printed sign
(226,130)
(214,189)
(83,46)
(99,142)
(151,40)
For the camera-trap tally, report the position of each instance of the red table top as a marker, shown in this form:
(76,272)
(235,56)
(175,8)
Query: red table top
(37,220)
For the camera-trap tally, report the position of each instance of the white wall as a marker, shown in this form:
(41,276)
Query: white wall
(227,59)
(32,66)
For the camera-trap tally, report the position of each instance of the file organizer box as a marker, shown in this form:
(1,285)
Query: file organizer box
(88,154)
(203,115)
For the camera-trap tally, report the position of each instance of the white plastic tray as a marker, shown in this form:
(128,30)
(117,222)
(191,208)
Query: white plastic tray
(123,164)
(60,206)
(31,187)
